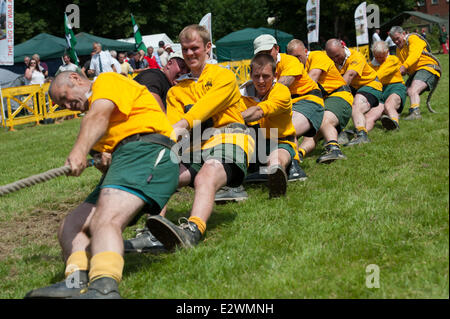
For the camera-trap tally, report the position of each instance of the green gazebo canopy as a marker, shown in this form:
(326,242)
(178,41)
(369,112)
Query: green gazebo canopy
(238,45)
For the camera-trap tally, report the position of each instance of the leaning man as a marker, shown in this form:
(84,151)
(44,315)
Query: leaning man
(125,120)
(419,63)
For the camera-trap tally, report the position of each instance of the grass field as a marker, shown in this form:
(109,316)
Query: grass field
(387,205)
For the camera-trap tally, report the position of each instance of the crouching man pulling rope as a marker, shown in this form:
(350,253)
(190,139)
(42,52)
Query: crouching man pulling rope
(124,120)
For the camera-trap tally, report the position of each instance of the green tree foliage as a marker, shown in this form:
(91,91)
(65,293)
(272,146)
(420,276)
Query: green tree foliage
(111,18)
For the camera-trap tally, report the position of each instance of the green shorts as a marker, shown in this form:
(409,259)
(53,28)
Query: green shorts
(232,157)
(373,96)
(425,76)
(134,169)
(260,155)
(394,88)
(341,108)
(313,112)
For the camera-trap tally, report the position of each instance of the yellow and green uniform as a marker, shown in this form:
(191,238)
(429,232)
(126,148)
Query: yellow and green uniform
(303,86)
(366,76)
(413,58)
(277,109)
(214,95)
(391,78)
(144,169)
(339,98)
(136,110)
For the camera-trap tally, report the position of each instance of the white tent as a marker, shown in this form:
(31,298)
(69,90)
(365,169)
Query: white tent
(152,40)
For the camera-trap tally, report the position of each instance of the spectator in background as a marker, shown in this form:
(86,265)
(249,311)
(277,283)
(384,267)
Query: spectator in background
(424,33)
(33,75)
(137,63)
(101,61)
(69,66)
(151,60)
(86,65)
(41,65)
(376,36)
(391,44)
(443,40)
(125,67)
(115,62)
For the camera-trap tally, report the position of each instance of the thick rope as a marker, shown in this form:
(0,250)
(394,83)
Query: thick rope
(36,179)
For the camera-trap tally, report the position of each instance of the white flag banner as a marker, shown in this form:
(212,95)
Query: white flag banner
(206,22)
(6,32)
(362,34)
(312,20)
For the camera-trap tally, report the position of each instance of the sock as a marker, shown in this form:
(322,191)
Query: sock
(361,128)
(199,222)
(79,260)
(106,264)
(414,106)
(302,151)
(332,142)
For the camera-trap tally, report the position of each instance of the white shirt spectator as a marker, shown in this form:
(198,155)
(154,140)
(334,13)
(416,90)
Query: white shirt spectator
(116,65)
(375,37)
(389,41)
(106,62)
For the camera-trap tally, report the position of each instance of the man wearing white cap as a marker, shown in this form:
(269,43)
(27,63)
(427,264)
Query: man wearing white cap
(307,101)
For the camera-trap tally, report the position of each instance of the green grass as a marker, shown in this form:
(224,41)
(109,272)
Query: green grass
(388,205)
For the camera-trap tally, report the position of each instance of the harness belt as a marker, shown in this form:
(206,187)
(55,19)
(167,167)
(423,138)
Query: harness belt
(315,92)
(290,138)
(434,67)
(154,138)
(343,88)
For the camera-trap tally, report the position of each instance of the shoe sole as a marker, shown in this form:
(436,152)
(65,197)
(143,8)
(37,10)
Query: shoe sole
(388,124)
(331,160)
(230,199)
(277,183)
(299,179)
(162,230)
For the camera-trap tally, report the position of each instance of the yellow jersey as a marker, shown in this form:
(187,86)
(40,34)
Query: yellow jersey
(366,76)
(288,65)
(330,78)
(413,58)
(215,94)
(136,110)
(277,109)
(389,71)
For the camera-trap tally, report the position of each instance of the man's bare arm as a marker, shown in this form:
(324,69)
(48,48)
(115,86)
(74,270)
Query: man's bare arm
(349,76)
(253,113)
(286,80)
(93,127)
(315,74)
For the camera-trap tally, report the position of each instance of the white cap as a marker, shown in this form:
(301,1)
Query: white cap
(176,54)
(264,42)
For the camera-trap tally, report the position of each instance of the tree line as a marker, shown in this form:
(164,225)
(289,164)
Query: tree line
(111,18)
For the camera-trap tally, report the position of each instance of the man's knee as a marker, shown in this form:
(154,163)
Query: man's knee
(212,174)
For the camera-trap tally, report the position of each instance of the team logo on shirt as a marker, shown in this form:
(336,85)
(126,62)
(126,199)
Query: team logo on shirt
(208,83)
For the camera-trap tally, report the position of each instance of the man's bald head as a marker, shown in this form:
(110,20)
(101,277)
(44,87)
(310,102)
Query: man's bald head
(297,48)
(70,89)
(336,51)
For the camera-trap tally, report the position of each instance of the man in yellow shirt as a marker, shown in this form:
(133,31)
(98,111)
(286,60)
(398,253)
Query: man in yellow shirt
(267,104)
(338,100)
(307,101)
(207,98)
(363,79)
(394,90)
(422,67)
(123,120)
